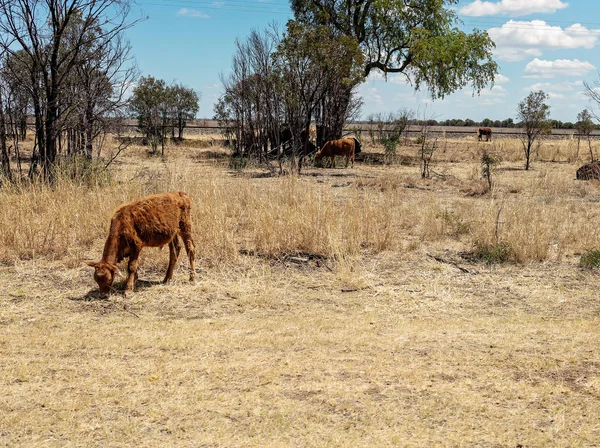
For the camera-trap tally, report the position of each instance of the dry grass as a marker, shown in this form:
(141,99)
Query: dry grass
(333,309)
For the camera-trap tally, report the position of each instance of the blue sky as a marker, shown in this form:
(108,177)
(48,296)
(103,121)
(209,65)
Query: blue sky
(552,45)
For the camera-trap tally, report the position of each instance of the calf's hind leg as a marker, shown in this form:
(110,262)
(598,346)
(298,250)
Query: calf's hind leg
(185,228)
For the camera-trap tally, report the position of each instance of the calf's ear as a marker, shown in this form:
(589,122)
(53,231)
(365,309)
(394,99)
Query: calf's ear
(91,263)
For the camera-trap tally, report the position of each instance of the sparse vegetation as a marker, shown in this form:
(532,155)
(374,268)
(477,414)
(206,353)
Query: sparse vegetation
(488,163)
(590,259)
(494,253)
(316,296)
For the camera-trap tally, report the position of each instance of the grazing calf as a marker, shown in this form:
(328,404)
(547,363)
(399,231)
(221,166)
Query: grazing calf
(484,132)
(149,222)
(343,147)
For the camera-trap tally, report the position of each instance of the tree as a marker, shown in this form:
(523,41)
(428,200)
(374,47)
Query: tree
(251,110)
(185,106)
(150,104)
(279,84)
(584,127)
(315,67)
(41,36)
(5,171)
(418,38)
(534,114)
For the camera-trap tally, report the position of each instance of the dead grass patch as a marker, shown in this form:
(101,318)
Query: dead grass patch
(329,310)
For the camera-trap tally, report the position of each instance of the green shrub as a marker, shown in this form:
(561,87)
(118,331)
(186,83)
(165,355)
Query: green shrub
(494,253)
(238,163)
(590,260)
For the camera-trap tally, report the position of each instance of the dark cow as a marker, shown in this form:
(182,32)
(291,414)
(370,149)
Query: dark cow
(282,143)
(345,147)
(484,132)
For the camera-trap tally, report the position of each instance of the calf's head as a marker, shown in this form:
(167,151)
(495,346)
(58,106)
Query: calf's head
(104,274)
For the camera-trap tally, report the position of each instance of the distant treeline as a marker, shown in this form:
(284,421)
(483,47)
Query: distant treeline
(486,122)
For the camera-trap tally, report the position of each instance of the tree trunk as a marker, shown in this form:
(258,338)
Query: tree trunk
(49,157)
(5,160)
(89,131)
(39,135)
(180,127)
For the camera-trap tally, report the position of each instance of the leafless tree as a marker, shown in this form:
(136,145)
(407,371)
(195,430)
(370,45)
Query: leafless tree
(49,39)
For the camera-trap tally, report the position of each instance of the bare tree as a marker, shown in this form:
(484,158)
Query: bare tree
(5,171)
(251,108)
(38,33)
(387,129)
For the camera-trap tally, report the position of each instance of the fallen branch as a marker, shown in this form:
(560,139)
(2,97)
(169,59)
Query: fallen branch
(451,262)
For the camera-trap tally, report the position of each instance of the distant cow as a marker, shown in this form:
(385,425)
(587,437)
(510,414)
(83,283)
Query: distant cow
(149,222)
(484,132)
(345,147)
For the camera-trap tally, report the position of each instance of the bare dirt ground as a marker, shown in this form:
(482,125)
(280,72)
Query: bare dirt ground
(416,344)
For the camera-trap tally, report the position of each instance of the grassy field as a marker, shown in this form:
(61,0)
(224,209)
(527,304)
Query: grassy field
(343,307)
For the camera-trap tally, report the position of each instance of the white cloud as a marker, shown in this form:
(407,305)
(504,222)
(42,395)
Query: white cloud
(556,96)
(539,68)
(501,79)
(399,78)
(373,95)
(564,86)
(516,40)
(496,91)
(487,97)
(512,8)
(192,13)
(516,54)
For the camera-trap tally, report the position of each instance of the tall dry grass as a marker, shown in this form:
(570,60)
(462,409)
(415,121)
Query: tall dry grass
(281,216)
(544,213)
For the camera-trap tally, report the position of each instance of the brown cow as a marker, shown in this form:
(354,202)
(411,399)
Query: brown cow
(487,132)
(149,222)
(345,147)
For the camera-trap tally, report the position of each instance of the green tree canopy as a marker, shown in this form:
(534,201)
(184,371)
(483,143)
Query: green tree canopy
(419,38)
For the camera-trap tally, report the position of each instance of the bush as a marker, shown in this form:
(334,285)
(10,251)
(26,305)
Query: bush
(494,253)
(590,260)
(83,172)
(238,163)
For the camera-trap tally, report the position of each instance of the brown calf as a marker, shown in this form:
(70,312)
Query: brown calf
(343,147)
(149,222)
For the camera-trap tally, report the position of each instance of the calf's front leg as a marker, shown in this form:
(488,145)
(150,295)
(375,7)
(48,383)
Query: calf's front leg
(131,271)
